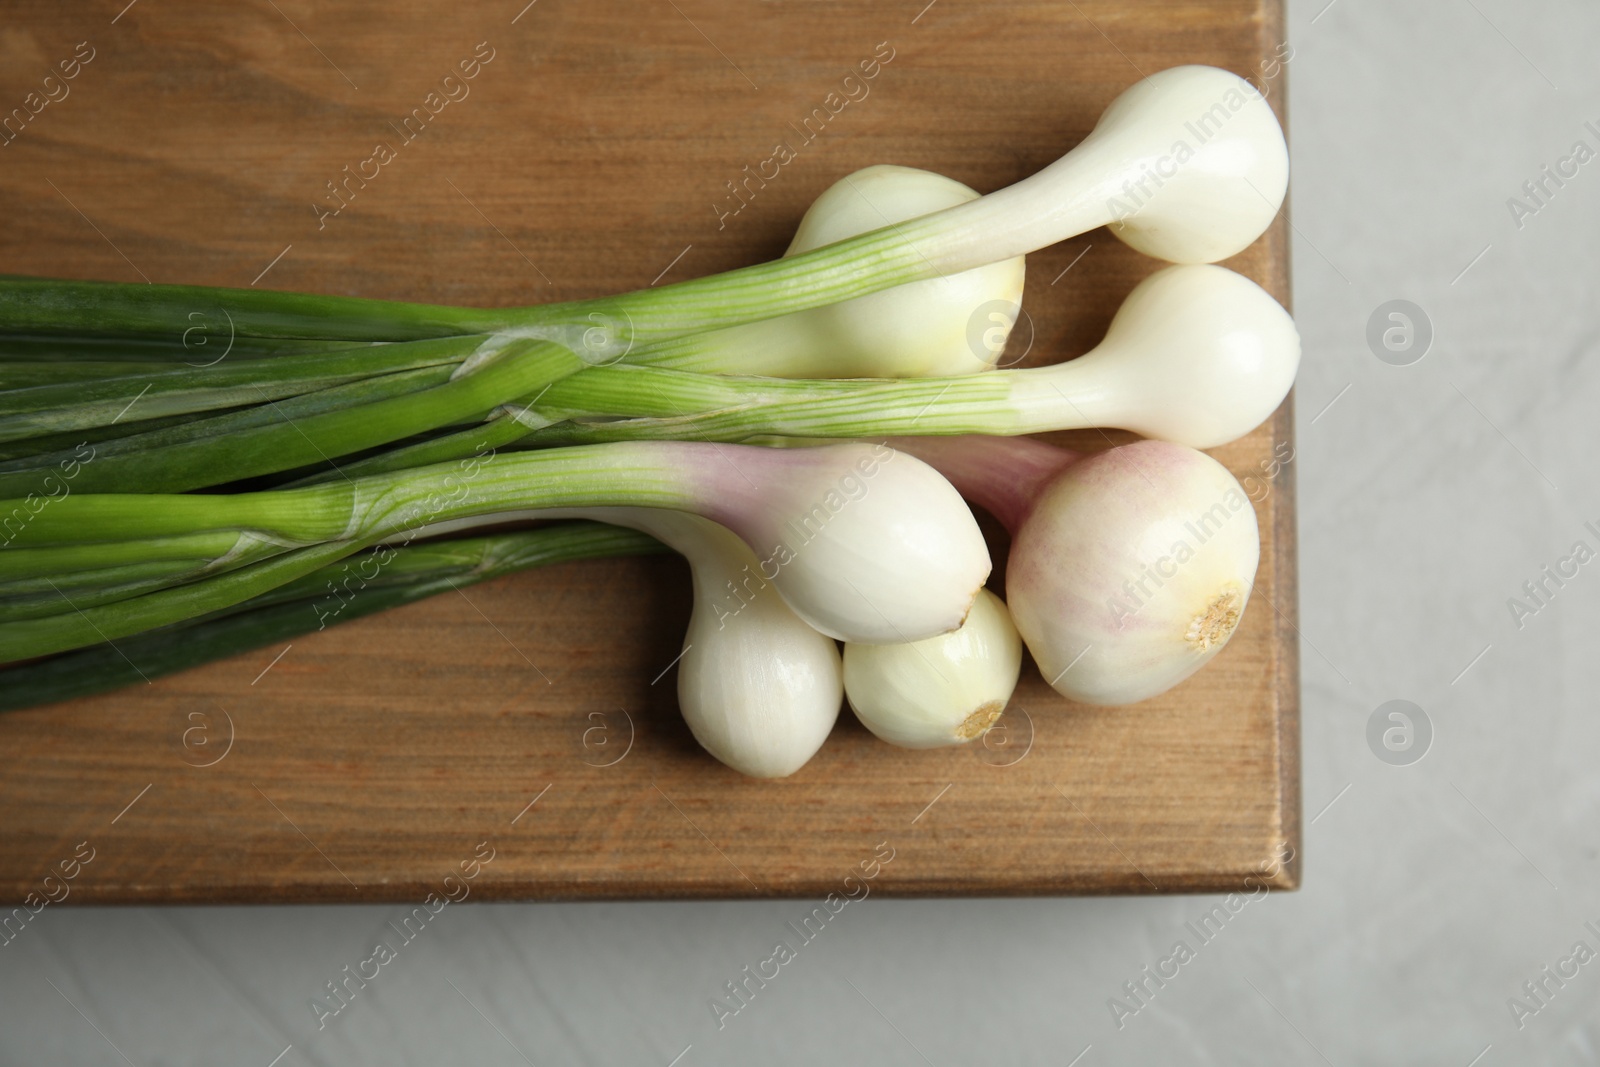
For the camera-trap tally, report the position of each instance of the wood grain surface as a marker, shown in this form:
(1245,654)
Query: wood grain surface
(590,154)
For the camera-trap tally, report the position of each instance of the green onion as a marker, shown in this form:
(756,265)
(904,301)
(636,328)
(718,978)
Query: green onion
(199,344)
(413,574)
(67,406)
(1197,354)
(287,442)
(905,558)
(1222,194)
(158,433)
(954,324)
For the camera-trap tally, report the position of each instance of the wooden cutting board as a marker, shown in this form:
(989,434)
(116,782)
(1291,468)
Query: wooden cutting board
(590,152)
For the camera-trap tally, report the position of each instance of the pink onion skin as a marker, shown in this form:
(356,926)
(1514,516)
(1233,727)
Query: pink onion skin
(1002,475)
(1131,571)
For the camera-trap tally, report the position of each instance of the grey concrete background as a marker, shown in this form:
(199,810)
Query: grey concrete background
(1429,493)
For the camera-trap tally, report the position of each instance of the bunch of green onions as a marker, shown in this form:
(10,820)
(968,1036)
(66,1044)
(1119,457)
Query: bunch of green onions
(185,471)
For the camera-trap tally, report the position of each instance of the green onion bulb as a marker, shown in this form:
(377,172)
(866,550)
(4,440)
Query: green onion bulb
(949,325)
(758,687)
(1129,568)
(944,690)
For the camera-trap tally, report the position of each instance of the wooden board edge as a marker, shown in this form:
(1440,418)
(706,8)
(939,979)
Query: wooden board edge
(1285,533)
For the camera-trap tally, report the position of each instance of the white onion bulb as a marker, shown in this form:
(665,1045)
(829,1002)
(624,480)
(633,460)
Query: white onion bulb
(1212,165)
(863,542)
(944,690)
(759,689)
(951,325)
(1196,354)
(1188,165)
(924,329)
(1132,571)
(1129,568)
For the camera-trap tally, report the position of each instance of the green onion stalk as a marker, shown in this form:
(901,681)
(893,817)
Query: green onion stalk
(1204,207)
(896,563)
(1207,205)
(313,602)
(325,423)
(1066,199)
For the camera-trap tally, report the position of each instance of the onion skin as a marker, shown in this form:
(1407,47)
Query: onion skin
(1131,571)
(1196,354)
(946,690)
(759,689)
(924,329)
(1206,165)
(864,543)
(954,324)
